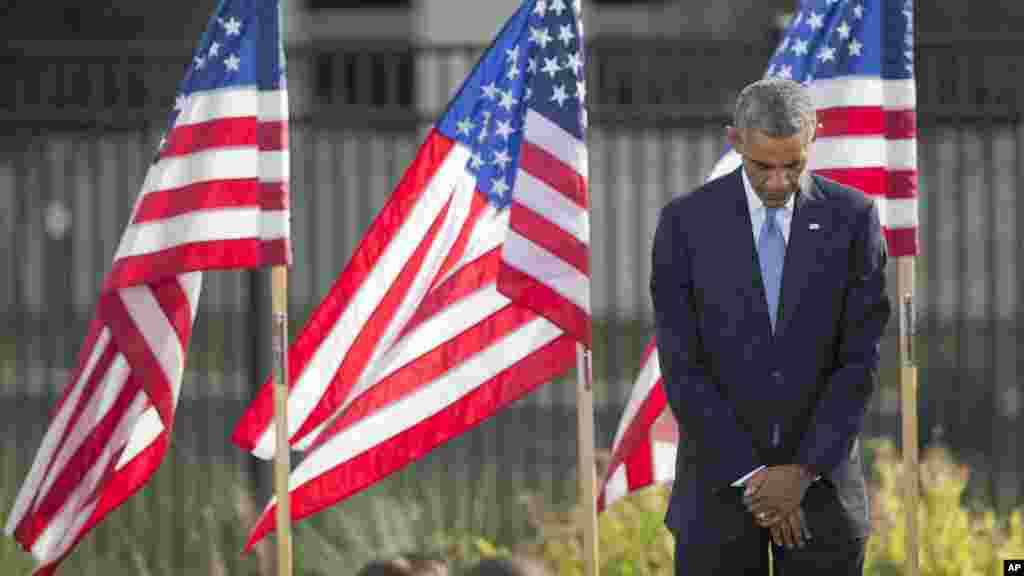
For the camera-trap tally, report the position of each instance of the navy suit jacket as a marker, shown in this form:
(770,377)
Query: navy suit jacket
(731,382)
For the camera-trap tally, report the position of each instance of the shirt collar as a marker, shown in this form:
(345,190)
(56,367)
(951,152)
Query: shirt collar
(754,201)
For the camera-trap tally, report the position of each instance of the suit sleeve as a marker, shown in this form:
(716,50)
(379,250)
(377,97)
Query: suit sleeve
(840,411)
(708,420)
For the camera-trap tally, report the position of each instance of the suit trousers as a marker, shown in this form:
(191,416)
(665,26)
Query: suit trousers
(748,554)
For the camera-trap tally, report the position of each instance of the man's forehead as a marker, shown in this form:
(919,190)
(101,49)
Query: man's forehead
(775,148)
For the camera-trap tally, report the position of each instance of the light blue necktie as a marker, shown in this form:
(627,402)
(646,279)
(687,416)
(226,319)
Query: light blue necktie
(771,250)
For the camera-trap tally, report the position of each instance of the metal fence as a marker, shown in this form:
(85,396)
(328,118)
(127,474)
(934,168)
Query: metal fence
(80,131)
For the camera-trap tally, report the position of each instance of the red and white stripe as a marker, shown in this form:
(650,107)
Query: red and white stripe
(867,138)
(107,435)
(545,262)
(215,198)
(644,449)
(413,345)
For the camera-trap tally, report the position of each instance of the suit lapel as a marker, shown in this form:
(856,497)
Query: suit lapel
(810,222)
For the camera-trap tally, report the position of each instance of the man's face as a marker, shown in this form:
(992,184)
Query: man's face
(774,165)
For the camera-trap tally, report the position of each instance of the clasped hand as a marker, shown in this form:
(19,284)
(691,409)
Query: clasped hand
(773,496)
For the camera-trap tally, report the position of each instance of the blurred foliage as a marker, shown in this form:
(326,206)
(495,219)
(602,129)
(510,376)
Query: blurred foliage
(954,537)
(632,538)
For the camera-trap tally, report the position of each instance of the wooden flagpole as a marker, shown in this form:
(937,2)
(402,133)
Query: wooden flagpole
(587,469)
(279,337)
(282,452)
(587,462)
(908,397)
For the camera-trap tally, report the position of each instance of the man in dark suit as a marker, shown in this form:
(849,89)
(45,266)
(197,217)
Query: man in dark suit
(769,300)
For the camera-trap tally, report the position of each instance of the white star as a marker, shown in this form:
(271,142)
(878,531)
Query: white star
(815,21)
(513,55)
(559,95)
(581,91)
(575,62)
(482,136)
(784,45)
(490,91)
(799,18)
(771,70)
(214,49)
(844,30)
(232,27)
(858,11)
(504,129)
(531,66)
(800,47)
(179,102)
(541,8)
(475,161)
(551,67)
(501,159)
(565,34)
(827,54)
(465,126)
(507,101)
(232,62)
(540,36)
(855,47)
(786,72)
(529,93)
(500,187)
(200,62)
(513,73)
(557,6)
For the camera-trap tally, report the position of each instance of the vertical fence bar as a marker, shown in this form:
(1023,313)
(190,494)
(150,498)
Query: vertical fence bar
(645,172)
(992,322)
(1005,273)
(1017,431)
(30,429)
(927,190)
(960,314)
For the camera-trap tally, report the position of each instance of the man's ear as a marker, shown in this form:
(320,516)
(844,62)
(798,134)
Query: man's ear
(733,134)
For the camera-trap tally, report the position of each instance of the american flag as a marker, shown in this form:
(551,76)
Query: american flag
(644,448)
(857,58)
(215,197)
(470,288)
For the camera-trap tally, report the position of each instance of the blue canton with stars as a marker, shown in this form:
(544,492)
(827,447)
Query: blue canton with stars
(536,63)
(240,47)
(830,38)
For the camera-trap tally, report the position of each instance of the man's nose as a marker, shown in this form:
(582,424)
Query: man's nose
(776,178)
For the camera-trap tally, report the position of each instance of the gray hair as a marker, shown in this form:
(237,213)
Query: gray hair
(777,107)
